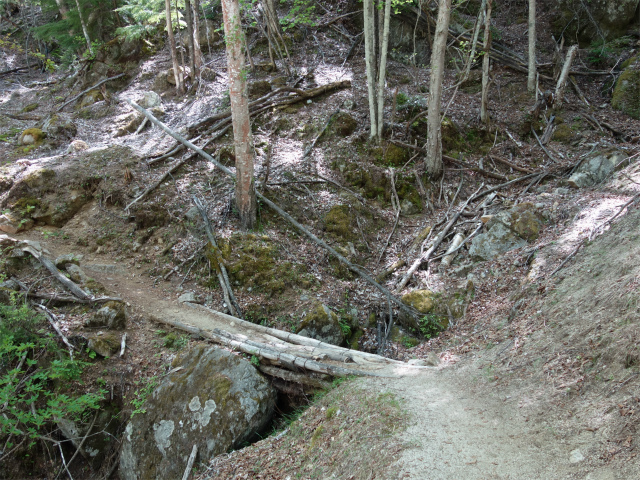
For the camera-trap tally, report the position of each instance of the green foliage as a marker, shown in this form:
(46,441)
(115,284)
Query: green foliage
(255,361)
(146,387)
(34,376)
(143,15)
(302,13)
(430,326)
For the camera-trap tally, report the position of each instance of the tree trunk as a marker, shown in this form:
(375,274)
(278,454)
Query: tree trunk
(370,55)
(474,42)
(531,79)
(84,27)
(192,53)
(245,193)
(484,102)
(196,38)
(63,9)
(562,81)
(172,47)
(433,159)
(383,65)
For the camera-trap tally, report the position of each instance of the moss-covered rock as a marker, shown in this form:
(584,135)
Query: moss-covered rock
(31,136)
(258,88)
(626,95)
(390,154)
(105,344)
(343,124)
(521,219)
(112,316)
(30,108)
(90,98)
(436,309)
(339,222)
(216,400)
(564,134)
(59,127)
(324,325)
(253,262)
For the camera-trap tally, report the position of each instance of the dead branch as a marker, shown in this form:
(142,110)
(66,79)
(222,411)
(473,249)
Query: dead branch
(89,89)
(397,207)
(436,242)
(123,344)
(52,320)
(192,458)
(544,149)
(354,268)
(294,377)
(178,267)
(221,270)
(315,140)
(158,182)
(67,283)
(562,81)
(509,164)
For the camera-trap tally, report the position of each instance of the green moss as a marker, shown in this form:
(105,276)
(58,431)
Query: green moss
(253,261)
(339,222)
(36,134)
(343,124)
(390,154)
(39,178)
(563,134)
(626,95)
(354,340)
(26,205)
(30,108)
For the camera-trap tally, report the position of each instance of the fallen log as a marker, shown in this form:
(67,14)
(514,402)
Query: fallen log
(290,376)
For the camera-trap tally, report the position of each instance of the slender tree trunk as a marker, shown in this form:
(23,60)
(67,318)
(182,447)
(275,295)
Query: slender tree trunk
(84,27)
(172,47)
(196,38)
(245,193)
(531,79)
(474,41)
(370,55)
(484,102)
(433,158)
(383,66)
(192,53)
(63,9)
(562,81)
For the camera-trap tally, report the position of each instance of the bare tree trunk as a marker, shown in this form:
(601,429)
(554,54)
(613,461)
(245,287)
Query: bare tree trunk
(192,54)
(562,81)
(531,79)
(196,38)
(172,47)
(484,102)
(84,27)
(474,42)
(63,9)
(383,65)
(370,55)
(433,159)
(245,192)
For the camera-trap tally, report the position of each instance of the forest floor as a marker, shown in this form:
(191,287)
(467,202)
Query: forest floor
(540,378)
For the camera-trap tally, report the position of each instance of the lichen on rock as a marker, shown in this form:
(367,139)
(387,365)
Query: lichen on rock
(322,324)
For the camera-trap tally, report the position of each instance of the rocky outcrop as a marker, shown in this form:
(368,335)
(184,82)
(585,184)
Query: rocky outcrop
(595,20)
(111,316)
(506,231)
(212,398)
(324,325)
(626,95)
(596,168)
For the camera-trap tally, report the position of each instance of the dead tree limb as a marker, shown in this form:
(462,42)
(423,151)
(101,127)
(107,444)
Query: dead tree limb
(158,182)
(52,321)
(192,458)
(221,270)
(436,242)
(354,268)
(89,89)
(66,283)
(315,140)
(294,377)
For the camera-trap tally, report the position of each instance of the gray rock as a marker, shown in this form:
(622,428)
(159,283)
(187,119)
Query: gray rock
(408,208)
(77,274)
(596,169)
(10,285)
(322,324)
(150,100)
(112,316)
(576,456)
(561,191)
(188,297)
(497,240)
(193,214)
(63,260)
(233,405)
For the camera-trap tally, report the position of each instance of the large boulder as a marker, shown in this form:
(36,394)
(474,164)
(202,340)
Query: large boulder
(215,400)
(596,168)
(324,325)
(591,21)
(626,95)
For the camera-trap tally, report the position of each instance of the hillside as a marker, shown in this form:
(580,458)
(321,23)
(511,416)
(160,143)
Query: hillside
(525,359)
